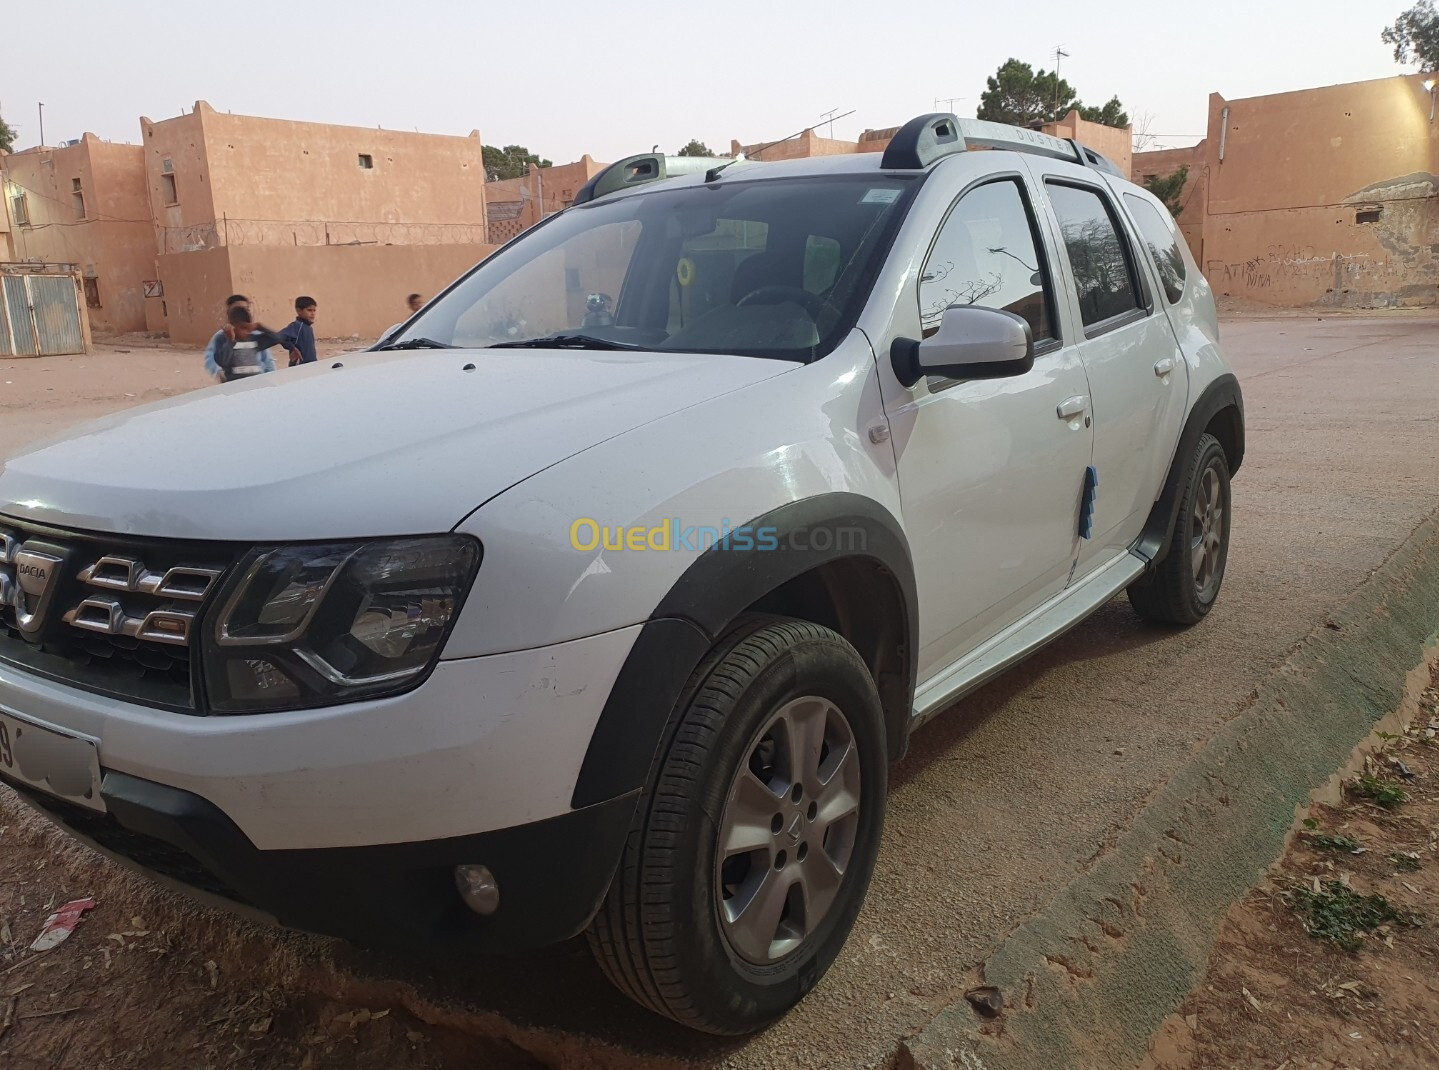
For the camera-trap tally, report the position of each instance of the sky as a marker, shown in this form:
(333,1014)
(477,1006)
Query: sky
(567,78)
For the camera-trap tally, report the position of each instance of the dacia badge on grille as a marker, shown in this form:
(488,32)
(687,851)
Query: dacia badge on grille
(35,576)
(34,571)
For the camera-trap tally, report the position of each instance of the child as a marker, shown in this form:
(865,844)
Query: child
(226,331)
(299,337)
(241,351)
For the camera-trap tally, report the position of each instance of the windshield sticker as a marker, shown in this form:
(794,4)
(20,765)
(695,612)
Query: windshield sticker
(880,196)
(685,271)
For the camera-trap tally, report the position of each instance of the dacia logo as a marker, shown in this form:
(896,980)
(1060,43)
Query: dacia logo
(33,569)
(34,573)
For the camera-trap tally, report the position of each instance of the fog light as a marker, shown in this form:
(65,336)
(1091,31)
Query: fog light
(478,888)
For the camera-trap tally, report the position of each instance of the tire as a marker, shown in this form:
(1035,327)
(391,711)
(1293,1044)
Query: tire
(1183,587)
(675,933)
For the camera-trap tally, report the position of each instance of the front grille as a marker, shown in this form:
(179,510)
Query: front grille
(106,613)
(147,852)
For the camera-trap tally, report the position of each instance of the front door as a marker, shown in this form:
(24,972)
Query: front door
(990,471)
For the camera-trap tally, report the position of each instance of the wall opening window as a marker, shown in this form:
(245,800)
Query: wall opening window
(77,197)
(1368,215)
(92,293)
(168,189)
(366,161)
(20,210)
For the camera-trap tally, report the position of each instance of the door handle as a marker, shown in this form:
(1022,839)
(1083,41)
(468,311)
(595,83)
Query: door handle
(1072,407)
(1163,367)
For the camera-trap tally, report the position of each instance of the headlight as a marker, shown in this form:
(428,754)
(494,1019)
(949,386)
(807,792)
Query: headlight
(314,625)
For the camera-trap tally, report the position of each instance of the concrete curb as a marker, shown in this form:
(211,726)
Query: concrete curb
(1087,982)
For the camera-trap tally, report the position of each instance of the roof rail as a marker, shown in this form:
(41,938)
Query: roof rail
(646,167)
(927,138)
(922,140)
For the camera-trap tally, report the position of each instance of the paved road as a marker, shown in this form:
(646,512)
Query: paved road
(1024,785)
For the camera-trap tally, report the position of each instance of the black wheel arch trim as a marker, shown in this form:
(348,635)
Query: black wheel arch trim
(718,586)
(1221,394)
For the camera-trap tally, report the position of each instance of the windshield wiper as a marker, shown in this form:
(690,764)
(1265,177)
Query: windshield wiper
(567,341)
(415,343)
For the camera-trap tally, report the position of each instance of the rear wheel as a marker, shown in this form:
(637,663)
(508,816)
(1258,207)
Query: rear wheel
(752,849)
(1182,588)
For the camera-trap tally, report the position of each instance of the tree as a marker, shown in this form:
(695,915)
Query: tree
(1019,95)
(7,137)
(512,161)
(1144,140)
(695,148)
(1415,36)
(1111,114)
(1169,189)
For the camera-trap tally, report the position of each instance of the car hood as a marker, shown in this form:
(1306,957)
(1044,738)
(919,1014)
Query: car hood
(370,444)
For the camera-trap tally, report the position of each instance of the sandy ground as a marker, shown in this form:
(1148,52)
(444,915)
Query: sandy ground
(1280,995)
(998,806)
(40,397)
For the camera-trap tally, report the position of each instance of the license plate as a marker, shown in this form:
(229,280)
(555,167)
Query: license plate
(65,766)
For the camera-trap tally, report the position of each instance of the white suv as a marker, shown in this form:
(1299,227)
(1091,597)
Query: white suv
(602,593)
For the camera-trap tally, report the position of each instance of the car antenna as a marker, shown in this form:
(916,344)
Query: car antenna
(798,133)
(714,172)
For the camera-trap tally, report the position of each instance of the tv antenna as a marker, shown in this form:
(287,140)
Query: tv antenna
(1059,54)
(828,116)
(948,102)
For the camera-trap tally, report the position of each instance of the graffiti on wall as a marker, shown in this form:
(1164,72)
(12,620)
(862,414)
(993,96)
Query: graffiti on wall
(1399,215)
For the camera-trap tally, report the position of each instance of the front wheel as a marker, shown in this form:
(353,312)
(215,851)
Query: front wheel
(1182,588)
(751,851)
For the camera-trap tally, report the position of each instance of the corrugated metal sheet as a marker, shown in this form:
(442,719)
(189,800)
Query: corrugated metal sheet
(57,315)
(19,340)
(39,316)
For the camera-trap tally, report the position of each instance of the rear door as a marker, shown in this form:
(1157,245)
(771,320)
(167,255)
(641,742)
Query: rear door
(1134,365)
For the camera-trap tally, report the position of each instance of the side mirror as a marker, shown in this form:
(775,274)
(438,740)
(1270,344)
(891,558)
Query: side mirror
(971,343)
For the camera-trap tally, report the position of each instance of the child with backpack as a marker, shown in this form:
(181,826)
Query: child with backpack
(242,351)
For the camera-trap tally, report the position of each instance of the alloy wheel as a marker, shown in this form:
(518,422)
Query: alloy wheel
(788,830)
(1207,533)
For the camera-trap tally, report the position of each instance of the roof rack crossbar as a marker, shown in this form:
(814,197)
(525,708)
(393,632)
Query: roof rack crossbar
(927,138)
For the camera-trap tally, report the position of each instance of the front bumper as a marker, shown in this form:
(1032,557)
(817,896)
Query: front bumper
(552,874)
(485,743)
(349,820)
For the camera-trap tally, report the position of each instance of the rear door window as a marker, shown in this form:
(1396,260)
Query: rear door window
(1099,257)
(1163,244)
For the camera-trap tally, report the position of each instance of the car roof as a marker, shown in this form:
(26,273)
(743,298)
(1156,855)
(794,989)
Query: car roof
(917,147)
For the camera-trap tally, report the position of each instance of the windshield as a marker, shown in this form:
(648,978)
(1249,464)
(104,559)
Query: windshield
(767,268)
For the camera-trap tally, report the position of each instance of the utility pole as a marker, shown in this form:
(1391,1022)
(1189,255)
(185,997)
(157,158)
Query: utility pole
(42,124)
(1059,53)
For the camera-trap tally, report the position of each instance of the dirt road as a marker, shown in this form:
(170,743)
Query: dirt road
(1000,803)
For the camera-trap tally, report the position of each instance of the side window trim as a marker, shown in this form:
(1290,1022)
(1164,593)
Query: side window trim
(1120,221)
(1041,247)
